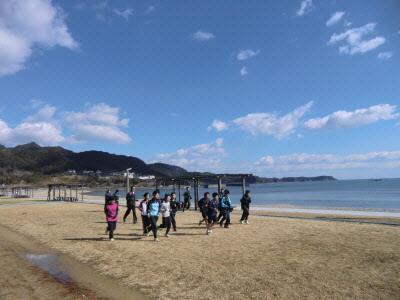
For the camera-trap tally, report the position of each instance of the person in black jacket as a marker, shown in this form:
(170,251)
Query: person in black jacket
(203,206)
(187,197)
(131,204)
(174,208)
(245,204)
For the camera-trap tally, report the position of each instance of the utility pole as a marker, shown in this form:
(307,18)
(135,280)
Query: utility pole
(127,180)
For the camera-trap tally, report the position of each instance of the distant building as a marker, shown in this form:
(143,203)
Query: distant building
(98,172)
(147,177)
(87,172)
(131,175)
(71,171)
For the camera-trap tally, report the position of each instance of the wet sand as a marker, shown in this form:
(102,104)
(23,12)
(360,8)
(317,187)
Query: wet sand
(30,270)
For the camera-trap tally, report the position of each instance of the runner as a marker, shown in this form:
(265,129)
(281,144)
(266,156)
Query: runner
(131,204)
(111,211)
(165,209)
(204,203)
(143,212)
(153,209)
(245,203)
(187,197)
(212,213)
(174,208)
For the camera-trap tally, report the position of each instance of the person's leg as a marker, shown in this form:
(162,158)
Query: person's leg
(220,215)
(110,229)
(144,224)
(247,215)
(168,224)
(128,211)
(188,207)
(243,216)
(173,221)
(134,214)
(153,221)
(223,212)
(228,218)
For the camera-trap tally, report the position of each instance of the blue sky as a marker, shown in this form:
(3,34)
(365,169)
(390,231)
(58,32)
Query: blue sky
(276,88)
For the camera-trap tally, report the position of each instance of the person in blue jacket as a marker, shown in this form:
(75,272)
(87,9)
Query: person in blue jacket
(153,209)
(226,206)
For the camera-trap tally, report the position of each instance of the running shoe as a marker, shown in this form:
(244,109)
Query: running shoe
(207,232)
(226,227)
(200,222)
(124,220)
(167,235)
(156,240)
(111,240)
(241,222)
(221,225)
(247,222)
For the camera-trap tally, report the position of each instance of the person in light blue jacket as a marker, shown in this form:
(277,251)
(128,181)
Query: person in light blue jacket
(153,209)
(226,208)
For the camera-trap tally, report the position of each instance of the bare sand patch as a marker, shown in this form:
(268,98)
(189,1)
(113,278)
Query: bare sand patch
(270,258)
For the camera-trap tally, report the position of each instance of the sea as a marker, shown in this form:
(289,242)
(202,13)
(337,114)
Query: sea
(354,194)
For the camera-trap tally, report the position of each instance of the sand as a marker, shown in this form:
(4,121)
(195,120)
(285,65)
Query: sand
(270,258)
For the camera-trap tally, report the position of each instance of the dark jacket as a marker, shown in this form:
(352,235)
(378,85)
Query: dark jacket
(204,203)
(212,206)
(187,195)
(130,199)
(174,206)
(245,202)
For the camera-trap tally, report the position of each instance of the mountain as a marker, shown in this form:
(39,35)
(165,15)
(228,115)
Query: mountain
(168,170)
(52,160)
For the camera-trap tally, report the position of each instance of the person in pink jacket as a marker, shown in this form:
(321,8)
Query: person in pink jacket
(111,211)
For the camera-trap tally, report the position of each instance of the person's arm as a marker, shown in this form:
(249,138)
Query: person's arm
(140,206)
(108,214)
(148,209)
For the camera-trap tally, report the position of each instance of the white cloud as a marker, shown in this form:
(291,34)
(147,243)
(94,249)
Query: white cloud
(218,126)
(26,25)
(150,9)
(40,128)
(246,54)
(346,119)
(174,114)
(335,18)
(124,13)
(385,55)
(305,161)
(305,7)
(271,123)
(204,156)
(99,122)
(353,42)
(202,36)
(243,71)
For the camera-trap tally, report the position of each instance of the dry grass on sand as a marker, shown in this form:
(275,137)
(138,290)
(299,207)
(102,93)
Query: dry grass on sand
(270,258)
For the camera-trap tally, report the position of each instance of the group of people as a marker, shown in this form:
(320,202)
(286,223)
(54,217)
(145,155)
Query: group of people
(214,211)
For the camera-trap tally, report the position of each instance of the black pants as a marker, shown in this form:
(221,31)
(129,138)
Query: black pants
(227,217)
(245,215)
(173,221)
(153,225)
(112,225)
(128,211)
(167,223)
(145,222)
(186,204)
(221,214)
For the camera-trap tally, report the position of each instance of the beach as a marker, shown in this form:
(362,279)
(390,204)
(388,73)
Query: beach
(273,257)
